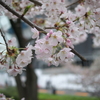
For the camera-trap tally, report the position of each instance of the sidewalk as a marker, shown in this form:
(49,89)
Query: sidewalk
(60,92)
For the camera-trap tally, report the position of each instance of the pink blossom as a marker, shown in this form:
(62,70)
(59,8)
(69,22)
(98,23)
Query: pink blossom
(8,2)
(12,42)
(14,71)
(63,53)
(35,33)
(55,38)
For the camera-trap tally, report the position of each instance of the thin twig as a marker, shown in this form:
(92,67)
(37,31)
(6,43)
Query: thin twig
(33,25)
(4,40)
(73,3)
(98,26)
(49,27)
(20,16)
(36,2)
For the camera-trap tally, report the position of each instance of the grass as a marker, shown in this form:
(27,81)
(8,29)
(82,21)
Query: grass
(64,97)
(12,92)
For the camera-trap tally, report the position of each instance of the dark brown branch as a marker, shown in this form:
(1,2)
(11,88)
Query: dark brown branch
(7,48)
(76,53)
(40,4)
(36,2)
(74,3)
(20,16)
(4,40)
(49,27)
(33,25)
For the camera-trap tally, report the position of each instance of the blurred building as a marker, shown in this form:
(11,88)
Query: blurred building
(87,50)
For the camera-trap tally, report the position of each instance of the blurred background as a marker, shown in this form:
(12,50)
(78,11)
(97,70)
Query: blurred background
(77,80)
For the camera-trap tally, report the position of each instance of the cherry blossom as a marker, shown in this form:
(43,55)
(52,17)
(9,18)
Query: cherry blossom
(13,60)
(55,38)
(3,97)
(35,33)
(9,2)
(66,28)
(54,47)
(14,70)
(12,42)
(65,54)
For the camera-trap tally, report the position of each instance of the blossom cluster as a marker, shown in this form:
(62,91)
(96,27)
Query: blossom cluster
(69,28)
(13,60)
(53,48)
(21,7)
(52,8)
(85,18)
(3,97)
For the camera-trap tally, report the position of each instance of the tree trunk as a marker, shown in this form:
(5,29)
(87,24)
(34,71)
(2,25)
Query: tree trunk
(29,90)
(31,85)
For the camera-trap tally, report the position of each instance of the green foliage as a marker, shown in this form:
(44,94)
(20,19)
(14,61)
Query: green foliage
(27,9)
(10,92)
(64,97)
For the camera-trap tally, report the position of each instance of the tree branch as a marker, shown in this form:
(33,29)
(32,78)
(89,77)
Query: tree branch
(4,40)
(20,16)
(74,3)
(49,27)
(33,25)
(76,53)
(36,2)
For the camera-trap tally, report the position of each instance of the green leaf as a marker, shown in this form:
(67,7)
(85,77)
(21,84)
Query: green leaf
(27,9)
(89,13)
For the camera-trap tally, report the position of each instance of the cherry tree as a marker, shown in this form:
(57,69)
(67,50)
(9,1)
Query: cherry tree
(62,29)
(89,77)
